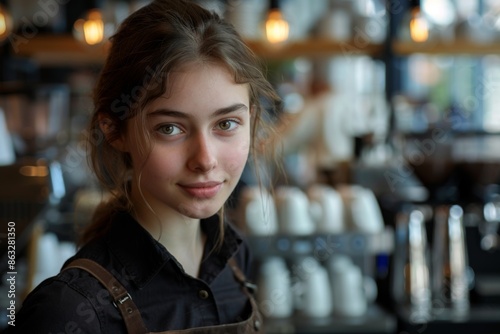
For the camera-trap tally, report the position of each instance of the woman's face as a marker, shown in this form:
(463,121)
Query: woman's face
(200,134)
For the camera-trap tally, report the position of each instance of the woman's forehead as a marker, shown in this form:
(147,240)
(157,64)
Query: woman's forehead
(198,85)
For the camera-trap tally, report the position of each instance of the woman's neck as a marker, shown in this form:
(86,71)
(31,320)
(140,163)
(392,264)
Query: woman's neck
(182,236)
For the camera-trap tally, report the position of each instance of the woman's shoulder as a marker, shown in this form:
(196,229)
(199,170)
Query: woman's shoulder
(64,303)
(71,301)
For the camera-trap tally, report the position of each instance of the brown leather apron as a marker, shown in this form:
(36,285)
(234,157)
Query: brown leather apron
(132,317)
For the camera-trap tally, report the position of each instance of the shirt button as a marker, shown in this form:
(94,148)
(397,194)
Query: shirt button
(203,294)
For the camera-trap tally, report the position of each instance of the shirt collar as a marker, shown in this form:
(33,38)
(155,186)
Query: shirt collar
(143,257)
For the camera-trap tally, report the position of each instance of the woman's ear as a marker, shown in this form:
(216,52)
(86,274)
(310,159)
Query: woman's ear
(108,128)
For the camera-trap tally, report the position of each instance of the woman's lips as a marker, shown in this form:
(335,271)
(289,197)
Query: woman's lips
(202,190)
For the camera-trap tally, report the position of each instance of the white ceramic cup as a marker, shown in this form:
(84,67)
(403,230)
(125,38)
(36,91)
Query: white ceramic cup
(258,211)
(312,290)
(274,293)
(293,211)
(363,212)
(349,288)
(327,208)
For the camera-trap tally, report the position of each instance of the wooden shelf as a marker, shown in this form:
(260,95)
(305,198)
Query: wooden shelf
(459,47)
(64,50)
(60,50)
(314,48)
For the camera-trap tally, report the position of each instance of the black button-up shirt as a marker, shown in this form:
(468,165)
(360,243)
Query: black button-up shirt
(168,298)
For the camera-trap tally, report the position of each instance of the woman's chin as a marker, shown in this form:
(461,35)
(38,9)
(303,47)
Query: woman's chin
(197,212)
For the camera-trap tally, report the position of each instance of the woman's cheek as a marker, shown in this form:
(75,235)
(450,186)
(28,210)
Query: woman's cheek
(237,157)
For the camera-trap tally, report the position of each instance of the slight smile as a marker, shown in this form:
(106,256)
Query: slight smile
(202,189)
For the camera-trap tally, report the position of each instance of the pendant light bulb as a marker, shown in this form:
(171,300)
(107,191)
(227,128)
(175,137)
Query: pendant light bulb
(277,28)
(419,27)
(91,28)
(6,24)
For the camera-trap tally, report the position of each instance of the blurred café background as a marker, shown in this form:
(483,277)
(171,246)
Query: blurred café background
(384,217)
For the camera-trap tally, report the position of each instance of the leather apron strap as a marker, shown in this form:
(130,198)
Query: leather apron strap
(132,317)
(121,298)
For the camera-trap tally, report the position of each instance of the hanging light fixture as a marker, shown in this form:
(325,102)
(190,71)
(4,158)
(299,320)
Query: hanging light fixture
(419,26)
(90,29)
(277,27)
(6,24)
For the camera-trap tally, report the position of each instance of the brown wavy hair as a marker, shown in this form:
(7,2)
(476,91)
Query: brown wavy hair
(150,44)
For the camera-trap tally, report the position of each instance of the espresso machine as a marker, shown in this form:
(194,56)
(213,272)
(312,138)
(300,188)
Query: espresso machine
(446,264)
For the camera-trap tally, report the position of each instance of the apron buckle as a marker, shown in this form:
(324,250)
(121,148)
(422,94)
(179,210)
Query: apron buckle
(250,286)
(121,300)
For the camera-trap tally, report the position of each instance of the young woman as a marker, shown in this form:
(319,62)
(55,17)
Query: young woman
(177,113)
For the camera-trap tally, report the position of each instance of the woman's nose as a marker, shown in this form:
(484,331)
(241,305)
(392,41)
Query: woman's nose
(202,154)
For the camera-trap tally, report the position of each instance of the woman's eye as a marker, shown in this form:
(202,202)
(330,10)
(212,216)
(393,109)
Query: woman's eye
(169,129)
(227,125)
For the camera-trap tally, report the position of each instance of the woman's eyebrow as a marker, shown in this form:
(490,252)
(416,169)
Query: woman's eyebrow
(226,110)
(180,114)
(167,112)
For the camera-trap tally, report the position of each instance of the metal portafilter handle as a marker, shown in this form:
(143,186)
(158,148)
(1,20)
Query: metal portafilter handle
(450,260)
(411,282)
(420,293)
(489,227)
